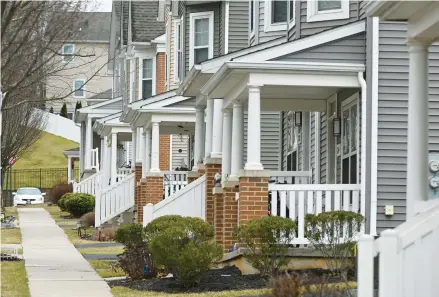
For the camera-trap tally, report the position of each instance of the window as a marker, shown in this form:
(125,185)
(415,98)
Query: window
(292,142)
(320,10)
(147,70)
(276,15)
(68,51)
(178,58)
(78,88)
(349,141)
(201,37)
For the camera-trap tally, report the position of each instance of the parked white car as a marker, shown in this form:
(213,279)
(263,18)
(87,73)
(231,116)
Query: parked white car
(28,196)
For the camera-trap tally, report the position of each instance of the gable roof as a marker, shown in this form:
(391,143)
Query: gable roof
(145,26)
(88,26)
(107,94)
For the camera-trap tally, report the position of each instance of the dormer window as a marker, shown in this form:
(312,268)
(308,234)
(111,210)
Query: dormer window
(276,14)
(200,37)
(68,51)
(321,10)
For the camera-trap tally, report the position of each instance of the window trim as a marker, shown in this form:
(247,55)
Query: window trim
(195,16)
(269,27)
(74,88)
(313,15)
(252,32)
(177,23)
(140,73)
(64,53)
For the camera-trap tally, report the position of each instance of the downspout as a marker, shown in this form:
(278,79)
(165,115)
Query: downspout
(363,85)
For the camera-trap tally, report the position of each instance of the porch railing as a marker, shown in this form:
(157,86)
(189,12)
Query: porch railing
(295,201)
(188,202)
(290,177)
(114,200)
(122,173)
(173,182)
(94,159)
(89,185)
(408,265)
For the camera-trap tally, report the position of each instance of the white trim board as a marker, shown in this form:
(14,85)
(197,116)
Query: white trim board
(192,17)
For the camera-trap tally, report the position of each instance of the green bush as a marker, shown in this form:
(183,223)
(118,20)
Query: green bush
(63,111)
(79,204)
(266,241)
(184,246)
(130,235)
(62,201)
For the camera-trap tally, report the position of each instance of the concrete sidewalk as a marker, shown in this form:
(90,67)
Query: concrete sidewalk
(54,267)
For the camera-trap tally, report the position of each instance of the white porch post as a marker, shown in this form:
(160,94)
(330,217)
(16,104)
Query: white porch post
(155,148)
(142,154)
(105,164)
(140,145)
(254,129)
(209,124)
(227,144)
(217,128)
(417,142)
(237,140)
(134,145)
(101,154)
(69,169)
(147,157)
(113,157)
(88,143)
(199,123)
(82,149)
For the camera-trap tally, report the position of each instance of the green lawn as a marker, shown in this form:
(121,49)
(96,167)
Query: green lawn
(10,235)
(104,269)
(14,281)
(102,250)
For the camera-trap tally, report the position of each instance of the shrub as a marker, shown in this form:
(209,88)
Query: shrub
(79,204)
(63,111)
(184,246)
(286,286)
(58,191)
(135,256)
(266,241)
(107,234)
(62,201)
(88,220)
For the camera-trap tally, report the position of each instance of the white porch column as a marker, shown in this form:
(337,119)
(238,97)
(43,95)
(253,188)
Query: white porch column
(227,144)
(69,169)
(101,154)
(134,146)
(105,163)
(254,129)
(82,149)
(88,143)
(147,156)
(113,157)
(209,124)
(217,128)
(237,140)
(198,147)
(417,142)
(140,145)
(155,148)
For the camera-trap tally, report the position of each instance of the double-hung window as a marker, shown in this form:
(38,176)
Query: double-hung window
(147,78)
(325,10)
(68,51)
(178,44)
(277,13)
(349,141)
(78,88)
(201,37)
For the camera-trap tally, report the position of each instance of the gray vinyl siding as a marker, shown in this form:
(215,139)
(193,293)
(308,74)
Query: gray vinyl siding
(222,22)
(186,103)
(270,140)
(180,159)
(361,8)
(311,28)
(215,7)
(238,24)
(392,119)
(348,50)
(262,35)
(114,106)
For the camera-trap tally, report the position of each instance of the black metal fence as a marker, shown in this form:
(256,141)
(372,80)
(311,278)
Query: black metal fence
(43,178)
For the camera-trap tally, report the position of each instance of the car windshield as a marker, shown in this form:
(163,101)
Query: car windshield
(28,191)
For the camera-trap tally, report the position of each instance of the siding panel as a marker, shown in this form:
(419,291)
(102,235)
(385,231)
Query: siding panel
(238,25)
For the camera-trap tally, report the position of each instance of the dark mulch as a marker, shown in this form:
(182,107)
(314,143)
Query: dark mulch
(229,278)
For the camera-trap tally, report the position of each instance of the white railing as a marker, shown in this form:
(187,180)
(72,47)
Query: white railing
(173,182)
(189,202)
(408,260)
(295,201)
(122,173)
(290,177)
(94,159)
(114,200)
(89,185)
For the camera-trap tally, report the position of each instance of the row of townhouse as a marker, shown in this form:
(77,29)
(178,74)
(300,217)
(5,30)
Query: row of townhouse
(302,106)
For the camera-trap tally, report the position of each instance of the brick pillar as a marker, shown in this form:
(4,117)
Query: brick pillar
(192,176)
(212,165)
(230,213)
(253,195)
(165,153)
(151,192)
(218,217)
(160,73)
(137,178)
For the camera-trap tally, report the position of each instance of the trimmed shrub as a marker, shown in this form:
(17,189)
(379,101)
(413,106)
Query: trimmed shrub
(79,204)
(184,246)
(266,241)
(58,191)
(62,201)
(286,286)
(88,220)
(63,111)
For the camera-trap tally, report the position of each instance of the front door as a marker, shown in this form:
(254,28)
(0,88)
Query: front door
(350,140)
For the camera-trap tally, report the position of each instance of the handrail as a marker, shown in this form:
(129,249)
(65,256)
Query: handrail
(291,173)
(315,187)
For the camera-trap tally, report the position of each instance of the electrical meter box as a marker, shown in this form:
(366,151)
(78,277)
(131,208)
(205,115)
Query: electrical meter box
(433,174)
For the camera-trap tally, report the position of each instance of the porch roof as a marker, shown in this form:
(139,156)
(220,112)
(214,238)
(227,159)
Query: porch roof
(172,120)
(98,110)
(73,153)
(111,123)
(282,83)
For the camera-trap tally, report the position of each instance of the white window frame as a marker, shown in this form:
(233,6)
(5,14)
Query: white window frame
(141,58)
(268,26)
(178,25)
(64,53)
(74,88)
(313,15)
(196,16)
(252,32)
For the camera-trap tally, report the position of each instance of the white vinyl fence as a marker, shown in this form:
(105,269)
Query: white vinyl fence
(173,182)
(90,185)
(188,202)
(290,177)
(60,126)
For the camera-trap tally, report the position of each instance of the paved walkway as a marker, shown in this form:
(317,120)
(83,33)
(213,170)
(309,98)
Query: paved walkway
(54,267)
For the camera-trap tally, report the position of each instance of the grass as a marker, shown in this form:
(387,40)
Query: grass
(10,235)
(14,279)
(102,250)
(126,292)
(103,268)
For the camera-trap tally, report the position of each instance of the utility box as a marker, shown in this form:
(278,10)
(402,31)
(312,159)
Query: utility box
(433,174)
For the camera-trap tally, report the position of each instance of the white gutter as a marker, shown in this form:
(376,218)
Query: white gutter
(363,142)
